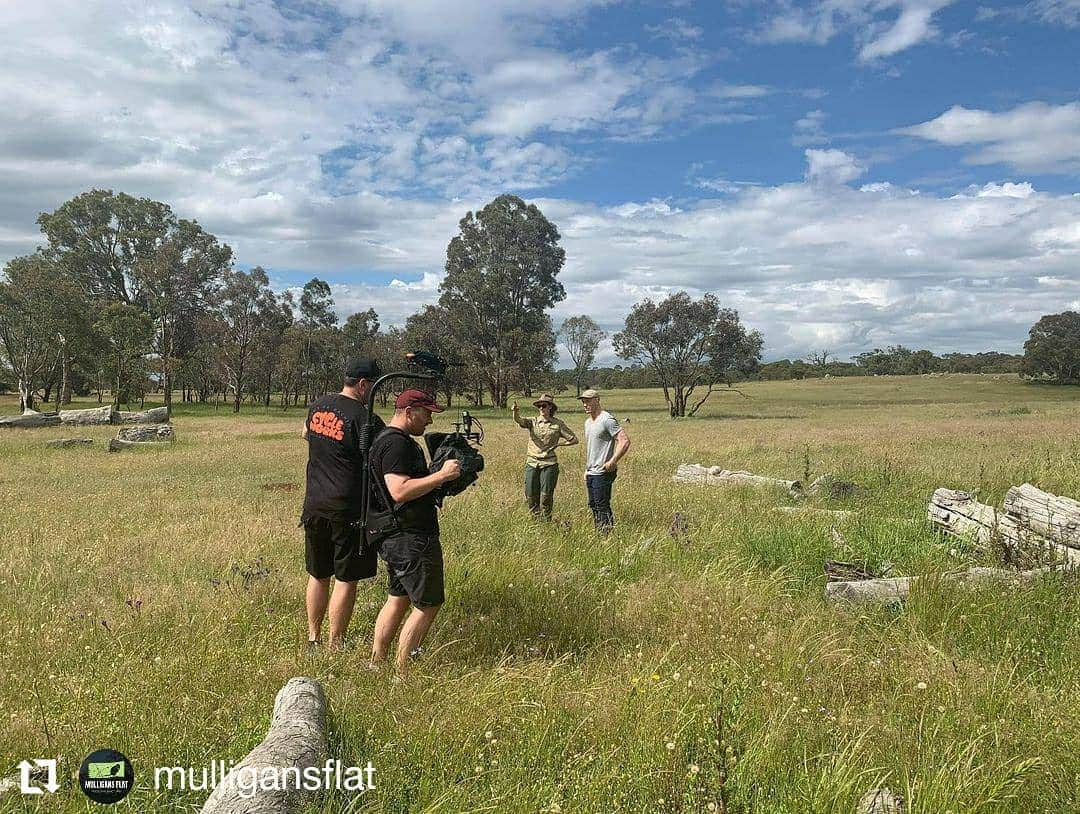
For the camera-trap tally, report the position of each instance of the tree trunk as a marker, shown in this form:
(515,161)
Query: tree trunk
(958,514)
(897,589)
(1055,518)
(715,476)
(296,740)
(26,396)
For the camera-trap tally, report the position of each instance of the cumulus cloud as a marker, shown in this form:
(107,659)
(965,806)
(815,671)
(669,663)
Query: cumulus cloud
(832,167)
(1035,136)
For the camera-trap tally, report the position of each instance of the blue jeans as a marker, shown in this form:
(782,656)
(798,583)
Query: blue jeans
(599,488)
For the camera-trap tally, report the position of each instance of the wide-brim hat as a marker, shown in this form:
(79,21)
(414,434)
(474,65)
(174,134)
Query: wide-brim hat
(546,398)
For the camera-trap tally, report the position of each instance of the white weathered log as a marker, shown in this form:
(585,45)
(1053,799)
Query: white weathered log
(1055,518)
(29,419)
(296,740)
(146,432)
(118,444)
(157,415)
(897,589)
(959,514)
(715,476)
(70,442)
(97,415)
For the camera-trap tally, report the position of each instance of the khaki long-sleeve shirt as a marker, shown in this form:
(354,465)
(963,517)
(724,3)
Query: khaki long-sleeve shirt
(544,437)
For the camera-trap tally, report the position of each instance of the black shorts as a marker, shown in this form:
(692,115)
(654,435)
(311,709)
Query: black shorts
(335,548)
(414,568)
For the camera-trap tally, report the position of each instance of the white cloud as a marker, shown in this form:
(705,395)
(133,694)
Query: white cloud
(1006,190)
(1058,12)
(675,29)
(832,167)
(1035,136)
(881,27)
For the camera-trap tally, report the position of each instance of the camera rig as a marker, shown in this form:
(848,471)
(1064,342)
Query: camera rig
(419,366)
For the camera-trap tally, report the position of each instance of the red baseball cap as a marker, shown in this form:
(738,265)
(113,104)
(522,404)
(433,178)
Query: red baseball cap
(417,398)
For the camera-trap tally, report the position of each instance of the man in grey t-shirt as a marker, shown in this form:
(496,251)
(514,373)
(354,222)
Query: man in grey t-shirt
(605,443)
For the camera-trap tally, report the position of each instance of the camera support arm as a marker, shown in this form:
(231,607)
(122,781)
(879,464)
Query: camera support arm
(369,426)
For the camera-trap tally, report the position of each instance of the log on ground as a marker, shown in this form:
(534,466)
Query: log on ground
(715,476)
(897,589)
(959,514)
(1055,518)
(30,419)
(146,432)
(63,443)
(97,415)
(157,415)
(296,740)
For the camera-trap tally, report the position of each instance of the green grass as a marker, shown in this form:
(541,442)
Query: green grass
(152,603)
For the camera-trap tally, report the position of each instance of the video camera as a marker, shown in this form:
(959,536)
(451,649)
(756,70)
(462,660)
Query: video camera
(458,445)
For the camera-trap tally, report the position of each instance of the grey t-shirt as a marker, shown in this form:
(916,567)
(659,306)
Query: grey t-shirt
(599,441)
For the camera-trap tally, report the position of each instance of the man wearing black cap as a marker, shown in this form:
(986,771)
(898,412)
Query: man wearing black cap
(334,547)
(412,553)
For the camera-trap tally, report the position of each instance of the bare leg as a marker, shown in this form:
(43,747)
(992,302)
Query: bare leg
(341,608)
(386,626)
(316,599)
(412,634)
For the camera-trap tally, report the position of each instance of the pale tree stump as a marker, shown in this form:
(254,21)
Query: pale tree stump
(146,432)
(157,415)
(959,514)
(1055,518)
(296,739)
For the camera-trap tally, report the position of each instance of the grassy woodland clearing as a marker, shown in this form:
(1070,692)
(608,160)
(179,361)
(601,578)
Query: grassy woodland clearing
(152,602)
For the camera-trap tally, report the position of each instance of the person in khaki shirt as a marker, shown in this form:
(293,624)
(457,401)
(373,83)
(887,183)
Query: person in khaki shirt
(546,433)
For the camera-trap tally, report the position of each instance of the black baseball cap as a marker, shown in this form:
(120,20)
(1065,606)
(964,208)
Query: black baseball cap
(362,368)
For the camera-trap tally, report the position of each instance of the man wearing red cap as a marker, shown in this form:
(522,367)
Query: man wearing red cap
(413,553)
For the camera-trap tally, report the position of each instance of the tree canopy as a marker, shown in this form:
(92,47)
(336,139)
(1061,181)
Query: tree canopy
(1052,350)
(688,343)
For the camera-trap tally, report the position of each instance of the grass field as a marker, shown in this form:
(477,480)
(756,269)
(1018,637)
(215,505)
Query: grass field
(151,602)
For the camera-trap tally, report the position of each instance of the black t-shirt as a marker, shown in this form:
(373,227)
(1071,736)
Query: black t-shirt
(335,465)
(396,453)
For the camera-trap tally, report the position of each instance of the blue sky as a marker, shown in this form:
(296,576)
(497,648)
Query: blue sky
(847,173)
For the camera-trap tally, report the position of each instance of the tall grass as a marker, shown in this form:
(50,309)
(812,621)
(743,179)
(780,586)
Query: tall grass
(152,603)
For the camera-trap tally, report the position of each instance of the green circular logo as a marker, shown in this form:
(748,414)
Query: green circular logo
(106,776)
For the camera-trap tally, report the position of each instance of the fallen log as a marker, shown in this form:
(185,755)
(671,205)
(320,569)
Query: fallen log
(97,415)
(715,476)
(1055,518)
(63,443)
(146,432)
(897,589)
(156,415)
(118,444)
(295,741)
(30,419)
(959,514)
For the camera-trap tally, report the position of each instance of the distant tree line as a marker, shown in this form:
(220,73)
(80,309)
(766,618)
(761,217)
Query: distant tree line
(896,360)
(124,298)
